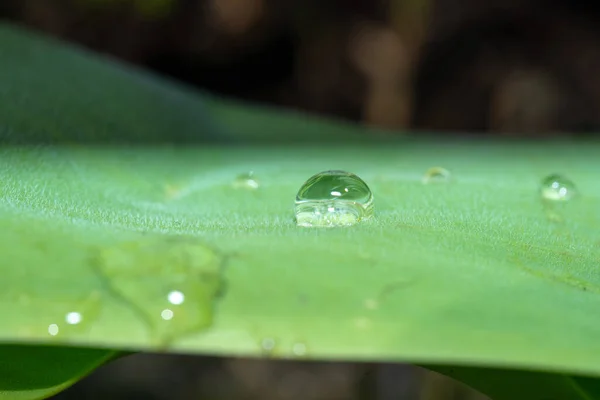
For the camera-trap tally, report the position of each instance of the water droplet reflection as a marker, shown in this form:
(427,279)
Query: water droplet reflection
(246,181)
(333,198)
(73,318)
(64,318)
(436,175)
(176,297)
(299,349)
(557,188)
(556,192)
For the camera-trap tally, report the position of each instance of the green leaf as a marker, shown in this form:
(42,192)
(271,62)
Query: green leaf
(144,248)
(37,372)
(502,384)
(472,270)
(52,93)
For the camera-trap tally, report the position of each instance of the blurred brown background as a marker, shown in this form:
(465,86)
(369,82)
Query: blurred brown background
(172,377)
(505,67)
(512,67)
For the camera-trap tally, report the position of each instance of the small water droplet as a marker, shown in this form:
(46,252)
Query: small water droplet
(436,175)
(268,345)
(299,349)
(246,181)
(557,188)
(333,198)
(71,317)
(53,329)
(171,283)
(166,314)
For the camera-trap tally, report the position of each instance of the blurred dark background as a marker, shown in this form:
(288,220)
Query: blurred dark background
(502,67)
(508,67)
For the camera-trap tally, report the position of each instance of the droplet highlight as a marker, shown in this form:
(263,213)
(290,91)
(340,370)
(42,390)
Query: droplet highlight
(71,324)
(176,297)
(171,283)
(436,175)
(167,314)
(246,181)
(73,318)
(67,318)
(557,188)
(333,198)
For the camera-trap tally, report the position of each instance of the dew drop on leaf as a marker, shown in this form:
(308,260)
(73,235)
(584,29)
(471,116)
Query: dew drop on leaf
(557,188)
(333,198)
(171,283)
(436,175)
(167,314)
(268,345)
(299,349)
(53,329)
(246,181)
(66,318)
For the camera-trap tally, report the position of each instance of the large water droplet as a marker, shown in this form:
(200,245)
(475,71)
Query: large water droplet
(557,188)
(246,181)
(436,175)
(171,283)
(333,198)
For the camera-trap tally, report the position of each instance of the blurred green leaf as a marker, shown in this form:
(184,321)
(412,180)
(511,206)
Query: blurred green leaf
(57,93)
(37,372)
(502,384)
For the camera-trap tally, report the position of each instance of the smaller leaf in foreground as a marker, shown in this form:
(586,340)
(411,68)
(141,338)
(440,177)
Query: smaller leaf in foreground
(501,384)
(37,372)
(171,283)
(333,198)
